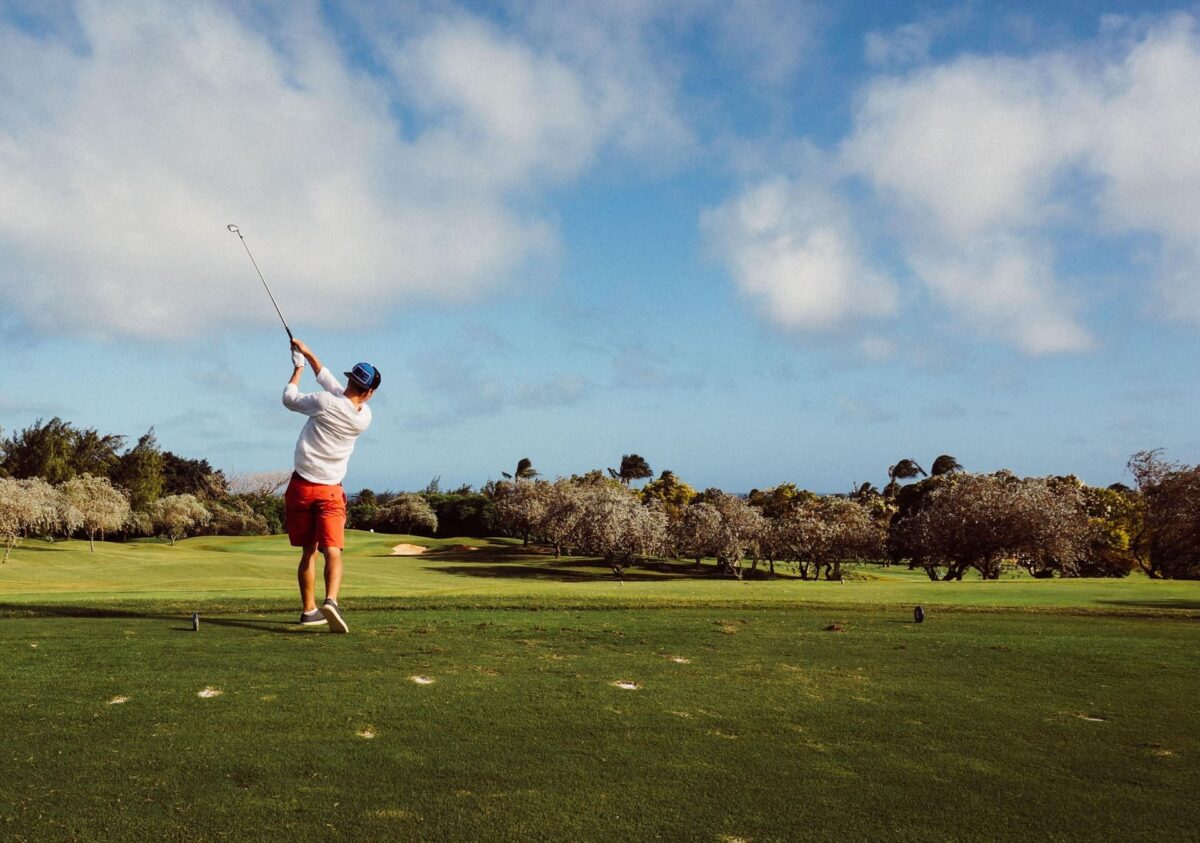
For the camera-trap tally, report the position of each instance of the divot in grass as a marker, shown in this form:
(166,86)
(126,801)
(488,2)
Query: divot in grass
(118,699)
(680,660)
(627,686)
(208,693)
(367,733)
(421,680)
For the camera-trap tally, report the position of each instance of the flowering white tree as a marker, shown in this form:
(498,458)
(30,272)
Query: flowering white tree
(175,515)
(409,513)
(521,506)
(741,526)
(563,515)
(697,532)
(92,504)
(823,533)
(26,506)
(616,526)
(962,521)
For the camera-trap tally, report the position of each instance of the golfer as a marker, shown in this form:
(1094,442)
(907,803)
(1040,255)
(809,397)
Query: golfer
(315,504)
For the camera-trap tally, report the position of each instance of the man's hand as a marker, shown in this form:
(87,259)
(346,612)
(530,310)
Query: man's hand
(306,352)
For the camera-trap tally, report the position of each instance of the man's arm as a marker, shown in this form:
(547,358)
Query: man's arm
(324,377)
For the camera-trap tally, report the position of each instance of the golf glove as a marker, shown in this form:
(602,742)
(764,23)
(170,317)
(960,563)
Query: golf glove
(297,359)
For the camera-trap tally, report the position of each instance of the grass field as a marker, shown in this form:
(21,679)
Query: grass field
(1019,710)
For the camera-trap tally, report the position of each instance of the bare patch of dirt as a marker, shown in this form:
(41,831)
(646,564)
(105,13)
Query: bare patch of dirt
(836,627)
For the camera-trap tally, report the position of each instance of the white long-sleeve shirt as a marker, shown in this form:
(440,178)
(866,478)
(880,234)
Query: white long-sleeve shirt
(334,423)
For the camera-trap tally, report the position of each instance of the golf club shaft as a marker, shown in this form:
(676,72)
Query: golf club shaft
(238,232)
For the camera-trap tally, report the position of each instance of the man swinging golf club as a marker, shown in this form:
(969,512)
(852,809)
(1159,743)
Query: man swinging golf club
(315,503)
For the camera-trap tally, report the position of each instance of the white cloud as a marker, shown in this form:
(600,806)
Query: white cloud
(1004,289)
(982,159)
(1144,150)
(123,157)
(790,245)
(772,38)
(907,44)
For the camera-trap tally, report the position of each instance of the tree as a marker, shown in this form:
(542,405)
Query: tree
(525,471)
(633,467)
(463,512)
(697,533)
(963,521)
(139,471)
(614,525)
(92,504)
(260,483)
(671,493)
(26,506)
(742,526)
(408,513)
(521,507)
(822,533)
(1166,541)
(1115,516)
(56,451)
(945,464)
(183,476)
(362,513)
(175,515)
(777,500)
(906,469)
(563,515)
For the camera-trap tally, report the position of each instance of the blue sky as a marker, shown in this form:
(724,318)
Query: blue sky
(754,242)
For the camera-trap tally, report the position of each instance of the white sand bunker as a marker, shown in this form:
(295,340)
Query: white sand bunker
(627,686)
(118,699)
(368,733)
(408,550)
(208,693)
(421,680)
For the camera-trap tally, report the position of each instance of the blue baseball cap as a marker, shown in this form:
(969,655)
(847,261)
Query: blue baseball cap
(365,375)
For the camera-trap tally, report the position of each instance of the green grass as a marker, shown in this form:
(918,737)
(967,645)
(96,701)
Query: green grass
(1019,710)
(503,572)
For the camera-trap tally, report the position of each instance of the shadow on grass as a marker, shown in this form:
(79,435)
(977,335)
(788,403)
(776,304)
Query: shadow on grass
(1181,604)
(586,570)
(110,613)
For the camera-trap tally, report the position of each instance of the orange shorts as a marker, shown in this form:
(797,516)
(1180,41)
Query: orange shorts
(315,514)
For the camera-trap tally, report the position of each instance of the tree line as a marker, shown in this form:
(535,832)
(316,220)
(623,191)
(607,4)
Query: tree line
(61,480)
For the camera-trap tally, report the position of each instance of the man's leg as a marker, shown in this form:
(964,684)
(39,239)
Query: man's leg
(333,572)
(306,574)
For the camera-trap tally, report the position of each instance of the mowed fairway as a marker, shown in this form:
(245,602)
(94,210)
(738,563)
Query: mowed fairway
(1069,716)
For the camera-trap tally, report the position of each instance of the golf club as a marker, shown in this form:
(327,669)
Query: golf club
(238,232)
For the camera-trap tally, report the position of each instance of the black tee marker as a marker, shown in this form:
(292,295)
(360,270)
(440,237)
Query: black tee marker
(918,615)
